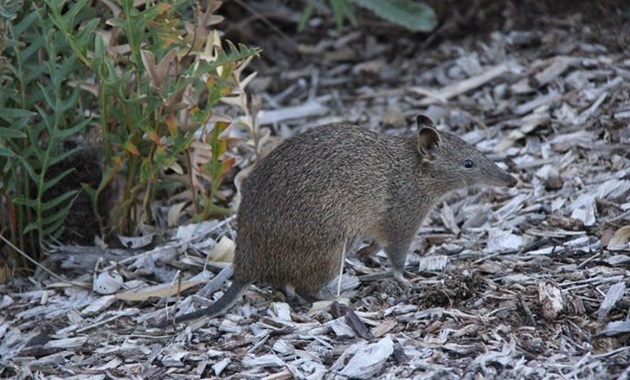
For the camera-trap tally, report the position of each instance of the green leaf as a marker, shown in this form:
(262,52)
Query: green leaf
(417,17)
(65,133)
(239,53)
(51,224)
(342,10)
(4,152)
(306,15)
(55,226)
(30,203)
(25,23)
(9,114)
(72,12)
(29,170)
(67,67)
(70,103)
(61,156)
(9,9)
(52,182)
(30,227)
(117,22)
(59,200)
(11,133)
(47,96)
(86,34)
(89,190)
(34,72)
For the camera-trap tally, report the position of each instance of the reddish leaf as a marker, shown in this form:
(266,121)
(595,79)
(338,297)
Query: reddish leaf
(153,137)
(131,148)
(171,124)
(226,165)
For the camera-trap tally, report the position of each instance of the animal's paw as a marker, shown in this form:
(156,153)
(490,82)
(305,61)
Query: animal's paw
(375,276)
(400,278)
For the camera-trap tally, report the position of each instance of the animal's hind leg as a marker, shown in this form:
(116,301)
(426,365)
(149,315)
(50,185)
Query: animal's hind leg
(295,295)
(369,250)
(317,272)
(310,296)
(313,289)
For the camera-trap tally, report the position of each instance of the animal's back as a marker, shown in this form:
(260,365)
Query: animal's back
(308,199)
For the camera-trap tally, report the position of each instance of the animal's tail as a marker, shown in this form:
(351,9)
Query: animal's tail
(231,296)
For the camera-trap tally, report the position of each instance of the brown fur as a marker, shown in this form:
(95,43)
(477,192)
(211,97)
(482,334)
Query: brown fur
(322,191)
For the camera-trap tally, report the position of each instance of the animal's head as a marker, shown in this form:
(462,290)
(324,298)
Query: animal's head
(454,162)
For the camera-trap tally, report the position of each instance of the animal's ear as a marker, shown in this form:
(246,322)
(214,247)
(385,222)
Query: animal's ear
(428,140)
(424,121)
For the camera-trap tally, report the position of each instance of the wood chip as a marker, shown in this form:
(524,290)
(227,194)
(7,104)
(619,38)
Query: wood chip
(550,298)
(614,295)
(464,86)
(368,360)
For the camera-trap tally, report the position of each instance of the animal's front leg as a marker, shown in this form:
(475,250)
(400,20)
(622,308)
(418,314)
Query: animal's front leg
(397,253)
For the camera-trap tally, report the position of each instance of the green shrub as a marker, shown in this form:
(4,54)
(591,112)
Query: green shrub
(155,87)
(38,111)
(413,15)
(145,79)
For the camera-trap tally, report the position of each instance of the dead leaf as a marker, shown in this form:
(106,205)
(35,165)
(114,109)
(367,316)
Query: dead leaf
(160,291)
(223,251)
(136,242)
(107,282)
(619,240)
(174,213)
(550,298)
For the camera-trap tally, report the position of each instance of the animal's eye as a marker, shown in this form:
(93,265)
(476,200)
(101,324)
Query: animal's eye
(468,163)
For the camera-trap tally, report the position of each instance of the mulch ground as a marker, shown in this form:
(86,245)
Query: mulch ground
(529,282)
